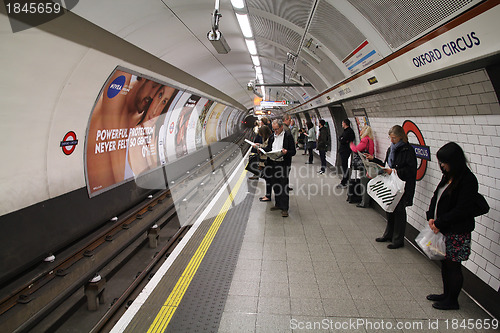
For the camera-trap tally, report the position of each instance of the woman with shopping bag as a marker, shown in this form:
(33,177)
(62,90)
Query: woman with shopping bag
(400,158)
(451,212)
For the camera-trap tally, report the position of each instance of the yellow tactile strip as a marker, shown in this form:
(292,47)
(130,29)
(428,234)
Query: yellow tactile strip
(168,309)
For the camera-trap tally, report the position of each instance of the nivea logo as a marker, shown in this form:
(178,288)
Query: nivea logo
(116,86)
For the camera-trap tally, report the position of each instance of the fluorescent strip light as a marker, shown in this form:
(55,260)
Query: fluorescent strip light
(244,25)
(263,89)
(252,48)
(238,4)
(258,70)
(255,60)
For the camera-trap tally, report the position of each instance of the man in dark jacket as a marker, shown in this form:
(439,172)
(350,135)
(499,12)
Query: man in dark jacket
(323,142)
(280,167)
(345,150)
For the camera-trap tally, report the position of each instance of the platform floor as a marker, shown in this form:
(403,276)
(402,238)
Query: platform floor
(318,270)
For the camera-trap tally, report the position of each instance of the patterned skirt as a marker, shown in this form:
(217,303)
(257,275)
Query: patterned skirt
(458,246)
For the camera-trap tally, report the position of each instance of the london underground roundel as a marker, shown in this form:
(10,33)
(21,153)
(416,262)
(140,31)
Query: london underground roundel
(422,151)
(69,142)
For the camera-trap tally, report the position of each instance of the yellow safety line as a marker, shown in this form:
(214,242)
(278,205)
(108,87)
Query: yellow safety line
(168,309)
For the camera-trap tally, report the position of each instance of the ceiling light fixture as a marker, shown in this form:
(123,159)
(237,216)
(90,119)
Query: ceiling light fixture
(243,19)
(238,4)
(244,25)
(255,60)
(252,48)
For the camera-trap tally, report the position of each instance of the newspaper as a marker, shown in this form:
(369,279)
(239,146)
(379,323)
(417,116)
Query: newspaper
(372,168)
(274,154)
(250,142)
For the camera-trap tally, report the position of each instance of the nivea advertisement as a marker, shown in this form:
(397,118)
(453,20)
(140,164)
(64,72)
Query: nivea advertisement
(139,124)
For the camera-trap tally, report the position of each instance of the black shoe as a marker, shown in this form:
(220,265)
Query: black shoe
(361,206)
(394,246)
(445,306)
(436,297)
(382,239)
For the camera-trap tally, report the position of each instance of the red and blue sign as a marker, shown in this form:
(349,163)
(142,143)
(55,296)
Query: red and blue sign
(69,142)
(421,150)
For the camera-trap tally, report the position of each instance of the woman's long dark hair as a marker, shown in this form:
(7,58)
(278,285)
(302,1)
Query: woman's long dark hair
(453,155)
(265,132)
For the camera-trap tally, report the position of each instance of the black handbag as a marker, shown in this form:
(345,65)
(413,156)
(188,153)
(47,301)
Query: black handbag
(311,145)
(357,163)
(253,164)
(481,206)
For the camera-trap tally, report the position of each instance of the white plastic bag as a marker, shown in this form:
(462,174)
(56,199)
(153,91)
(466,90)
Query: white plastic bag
(386,190)
(433,245)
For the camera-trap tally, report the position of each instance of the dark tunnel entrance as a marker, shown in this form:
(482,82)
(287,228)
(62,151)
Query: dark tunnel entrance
(249,121)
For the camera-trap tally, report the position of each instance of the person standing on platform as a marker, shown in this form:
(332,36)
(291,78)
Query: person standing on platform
(279,168)
(345,151)
(265,133)
(287,121)
(451,212)
(303,132)
(294,131)
(258,139)
(366,145)
(401,159)
(323,141)
(266,122)
(311,140)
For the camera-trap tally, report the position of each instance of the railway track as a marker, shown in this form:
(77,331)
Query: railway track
(55,296)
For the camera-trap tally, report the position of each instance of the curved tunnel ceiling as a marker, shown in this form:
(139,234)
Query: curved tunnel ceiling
(318,33)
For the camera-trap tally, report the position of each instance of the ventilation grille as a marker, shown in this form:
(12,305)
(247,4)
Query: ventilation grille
(401,21)
(335,31)
(275,32)
(294,11)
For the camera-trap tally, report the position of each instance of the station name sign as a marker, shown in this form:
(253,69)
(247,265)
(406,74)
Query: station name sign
(272,104)
(447,49)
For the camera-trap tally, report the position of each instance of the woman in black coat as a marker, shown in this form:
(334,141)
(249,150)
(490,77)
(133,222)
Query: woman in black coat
(451,212)
(400,157)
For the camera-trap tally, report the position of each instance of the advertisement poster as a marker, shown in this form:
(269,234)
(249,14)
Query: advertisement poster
(361,119)
(194,124)
(211,123)
(123,130)
(200,142)
(183,125)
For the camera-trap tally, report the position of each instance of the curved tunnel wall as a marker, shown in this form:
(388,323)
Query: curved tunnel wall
(51,82)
